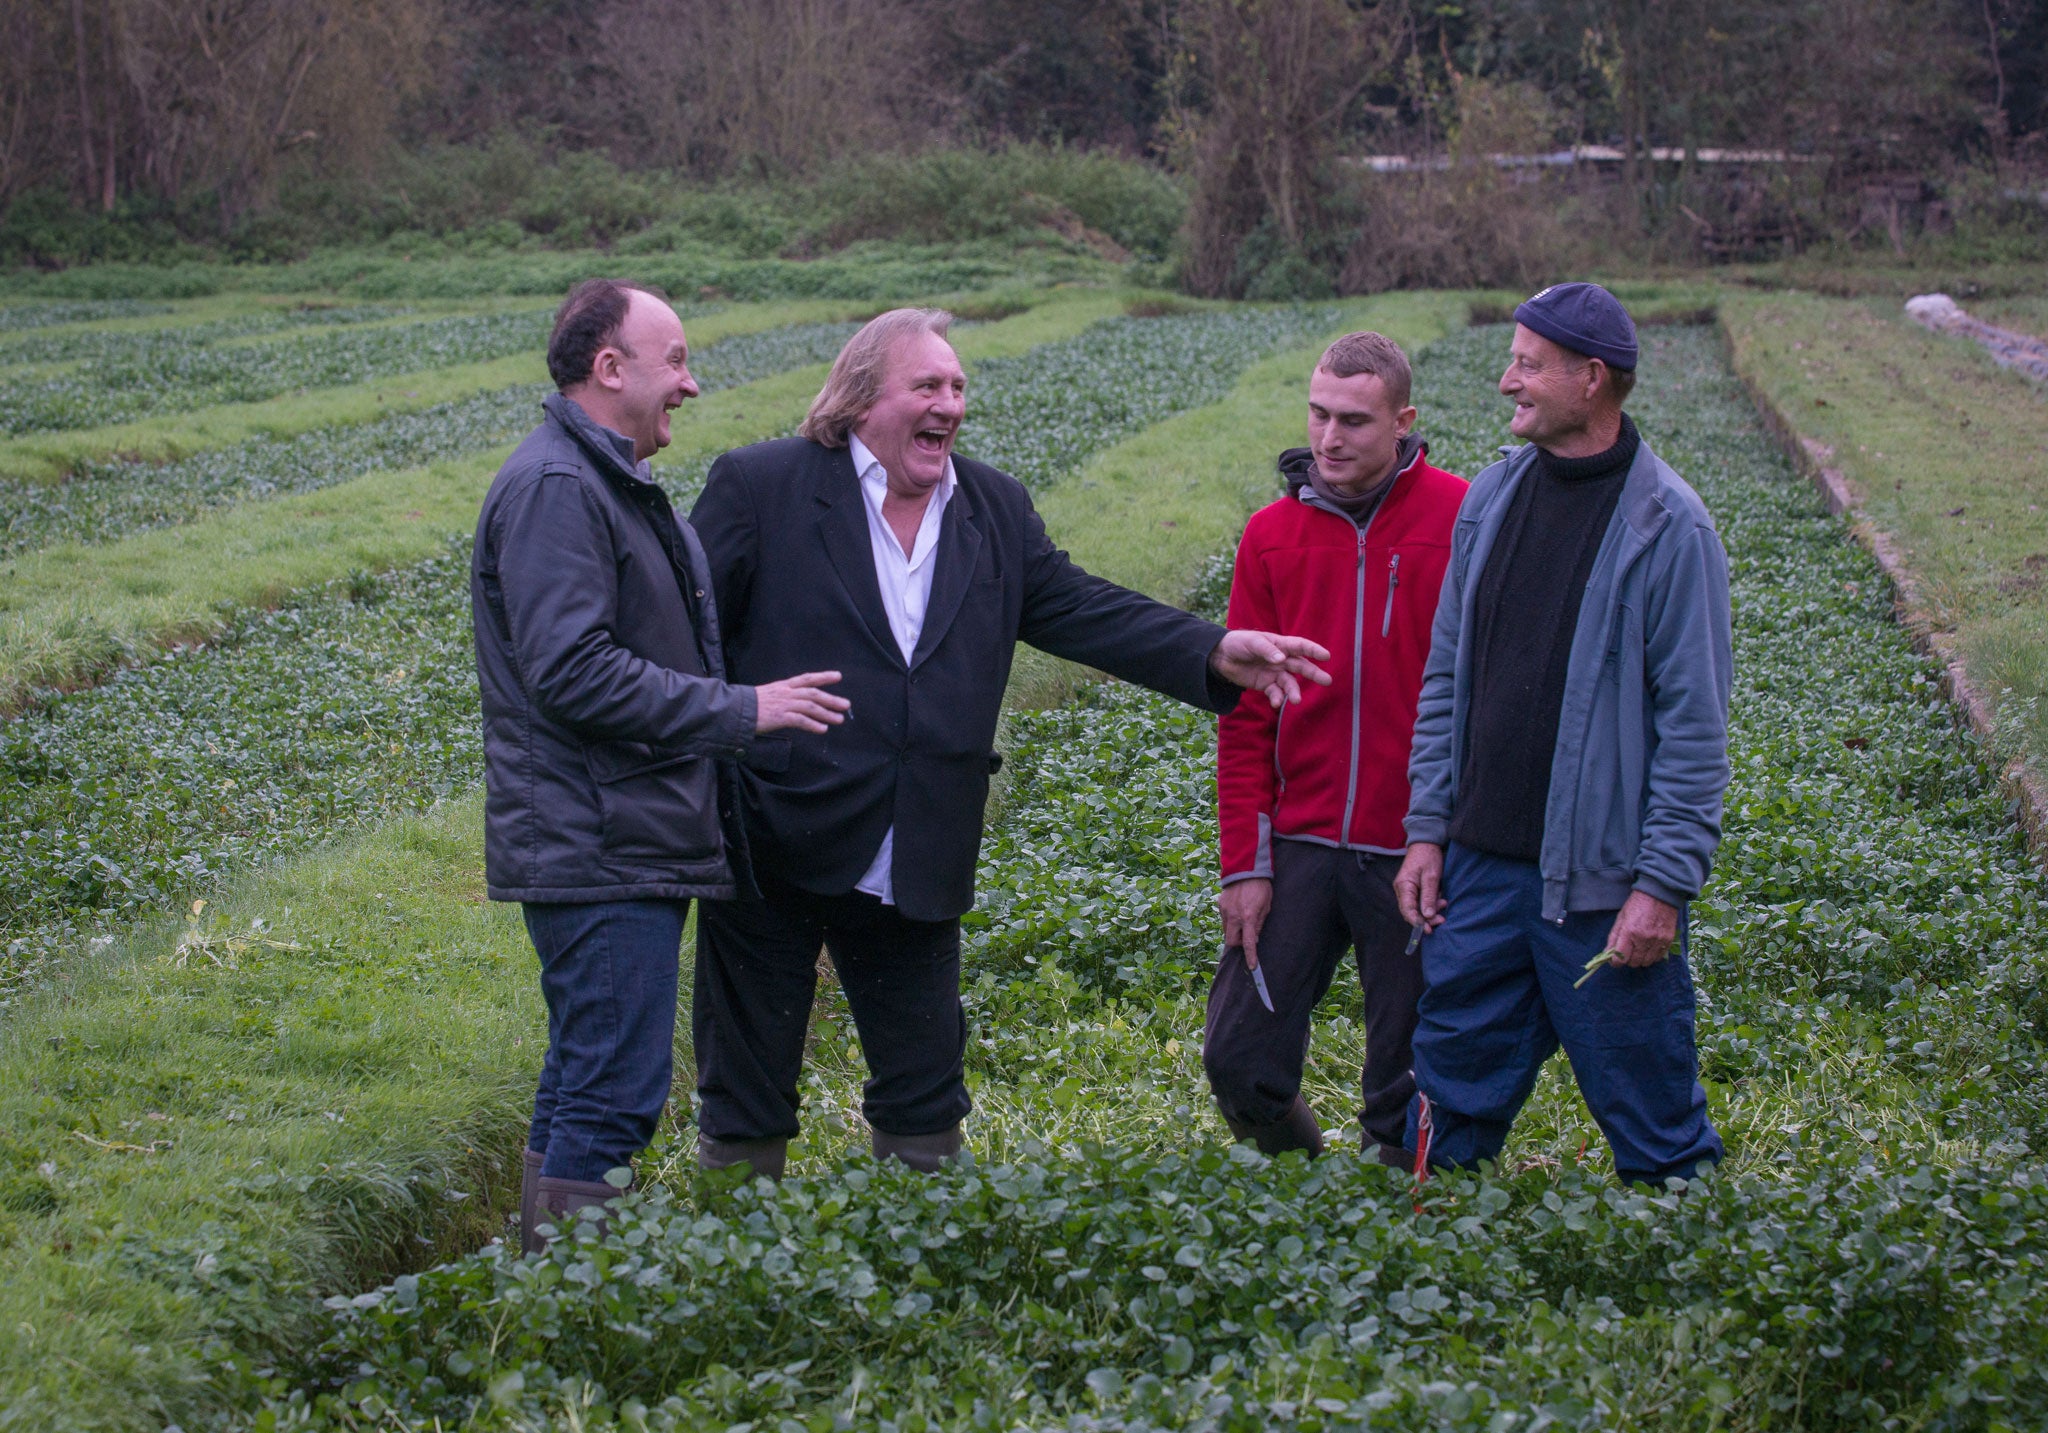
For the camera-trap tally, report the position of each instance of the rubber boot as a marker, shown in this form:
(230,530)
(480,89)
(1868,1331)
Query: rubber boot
(766,1157)
(1297,1129)
(922,1152)
(559,1199)
(529,1201)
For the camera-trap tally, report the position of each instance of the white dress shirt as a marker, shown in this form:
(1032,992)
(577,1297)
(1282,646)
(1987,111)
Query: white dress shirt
(906,583)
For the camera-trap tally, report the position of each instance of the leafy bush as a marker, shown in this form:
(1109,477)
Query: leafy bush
(1869,956)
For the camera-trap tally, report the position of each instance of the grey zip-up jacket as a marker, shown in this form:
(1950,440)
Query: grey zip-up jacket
(1641,764)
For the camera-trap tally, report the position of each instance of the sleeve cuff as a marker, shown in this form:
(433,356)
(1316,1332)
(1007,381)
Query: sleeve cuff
(741,738)
(1671,896)
(1427,830)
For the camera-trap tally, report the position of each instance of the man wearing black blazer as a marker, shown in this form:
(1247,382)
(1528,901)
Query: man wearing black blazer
(865,546)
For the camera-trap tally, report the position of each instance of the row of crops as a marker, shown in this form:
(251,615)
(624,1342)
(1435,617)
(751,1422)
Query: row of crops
(107,499)
(1869,961)
(357,702)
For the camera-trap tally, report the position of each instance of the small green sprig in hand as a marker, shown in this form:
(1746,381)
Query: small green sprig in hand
(1595,963)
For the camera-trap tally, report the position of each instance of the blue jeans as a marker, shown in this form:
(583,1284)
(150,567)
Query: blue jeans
(1498,1000)
(608,972)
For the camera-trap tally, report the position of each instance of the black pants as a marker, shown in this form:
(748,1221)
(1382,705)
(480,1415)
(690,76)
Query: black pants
(757,973)
(1325,901)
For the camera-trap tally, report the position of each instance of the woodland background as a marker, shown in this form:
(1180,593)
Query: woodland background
(1211,142)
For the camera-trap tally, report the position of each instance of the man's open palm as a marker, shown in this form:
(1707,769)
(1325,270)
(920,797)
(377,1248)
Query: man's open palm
(1270,663)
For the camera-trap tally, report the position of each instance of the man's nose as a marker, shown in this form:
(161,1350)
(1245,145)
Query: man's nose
(689,385)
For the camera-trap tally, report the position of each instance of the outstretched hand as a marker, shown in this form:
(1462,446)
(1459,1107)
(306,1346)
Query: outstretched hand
(1270,662)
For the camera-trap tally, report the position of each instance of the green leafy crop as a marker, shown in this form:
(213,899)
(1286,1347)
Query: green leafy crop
(1873,1255)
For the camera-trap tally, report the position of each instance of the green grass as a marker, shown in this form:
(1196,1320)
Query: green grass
(1947,453)
(202,1134)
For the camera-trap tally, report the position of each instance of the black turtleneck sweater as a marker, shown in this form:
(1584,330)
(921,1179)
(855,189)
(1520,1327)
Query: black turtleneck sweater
(1524,616)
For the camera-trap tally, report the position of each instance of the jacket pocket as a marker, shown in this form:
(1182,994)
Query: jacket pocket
(769,753)
(662,809)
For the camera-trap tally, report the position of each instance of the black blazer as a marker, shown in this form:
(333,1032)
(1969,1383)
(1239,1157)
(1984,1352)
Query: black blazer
(793,571)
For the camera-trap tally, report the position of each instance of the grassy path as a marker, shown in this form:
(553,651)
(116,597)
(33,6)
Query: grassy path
(1945,454)
(1869,958)
(344,1102)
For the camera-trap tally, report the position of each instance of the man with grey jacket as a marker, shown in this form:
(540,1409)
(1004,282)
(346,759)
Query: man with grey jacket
(1566,778)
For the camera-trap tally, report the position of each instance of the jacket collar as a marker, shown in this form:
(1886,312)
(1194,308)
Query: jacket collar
(611,452)
(1295,462)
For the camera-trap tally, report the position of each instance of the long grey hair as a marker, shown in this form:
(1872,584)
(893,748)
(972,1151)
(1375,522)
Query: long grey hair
(855,383)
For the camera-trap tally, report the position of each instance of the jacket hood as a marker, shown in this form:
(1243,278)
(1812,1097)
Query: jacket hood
(1298,465)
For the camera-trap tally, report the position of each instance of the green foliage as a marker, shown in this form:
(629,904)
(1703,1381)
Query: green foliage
(1037,416)
(100,345)
(104,500)
(148,373)
(1869,958)
(47,315)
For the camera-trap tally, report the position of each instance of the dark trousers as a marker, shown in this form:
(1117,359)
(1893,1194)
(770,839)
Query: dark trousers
(757,973)
(1325,902)
(1497,1001)
(608,972)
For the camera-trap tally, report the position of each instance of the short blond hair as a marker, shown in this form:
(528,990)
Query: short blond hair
(855,383)
(1373,353)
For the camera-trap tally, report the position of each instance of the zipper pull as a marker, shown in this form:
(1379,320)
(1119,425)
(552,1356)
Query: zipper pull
(1393,581)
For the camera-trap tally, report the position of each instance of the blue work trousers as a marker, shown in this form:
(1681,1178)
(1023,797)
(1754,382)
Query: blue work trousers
(1498,1000)
(608,971)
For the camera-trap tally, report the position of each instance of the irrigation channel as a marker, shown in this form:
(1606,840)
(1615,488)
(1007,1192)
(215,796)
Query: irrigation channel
(1869,959)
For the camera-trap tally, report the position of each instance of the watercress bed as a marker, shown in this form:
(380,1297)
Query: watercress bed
(358,701)
(1872,1255)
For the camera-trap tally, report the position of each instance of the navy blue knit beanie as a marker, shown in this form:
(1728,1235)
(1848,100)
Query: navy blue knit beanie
(1584,318)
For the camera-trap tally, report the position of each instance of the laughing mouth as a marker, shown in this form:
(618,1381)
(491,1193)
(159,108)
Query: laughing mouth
(932,441)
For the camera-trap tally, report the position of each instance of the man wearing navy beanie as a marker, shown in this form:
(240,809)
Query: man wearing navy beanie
(1568,766)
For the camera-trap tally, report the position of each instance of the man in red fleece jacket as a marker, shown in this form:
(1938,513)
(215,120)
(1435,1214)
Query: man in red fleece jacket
(1311,799)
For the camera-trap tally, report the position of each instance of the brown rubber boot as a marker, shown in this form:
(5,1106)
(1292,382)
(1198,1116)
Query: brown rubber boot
(1297,1129)
(922,1152)
(766,1157)
(560,1199)
(529,1201)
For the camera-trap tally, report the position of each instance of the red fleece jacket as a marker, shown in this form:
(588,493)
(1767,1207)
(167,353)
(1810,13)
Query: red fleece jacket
(1334,768)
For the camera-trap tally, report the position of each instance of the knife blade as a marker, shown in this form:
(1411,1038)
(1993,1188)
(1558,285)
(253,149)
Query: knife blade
(1259,984)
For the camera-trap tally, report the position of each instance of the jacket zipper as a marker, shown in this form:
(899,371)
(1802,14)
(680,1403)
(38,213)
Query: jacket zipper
(1393,581)
(1357,680)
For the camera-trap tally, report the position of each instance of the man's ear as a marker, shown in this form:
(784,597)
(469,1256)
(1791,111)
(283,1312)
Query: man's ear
(605,369)
(1404,421)
(1597,375)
